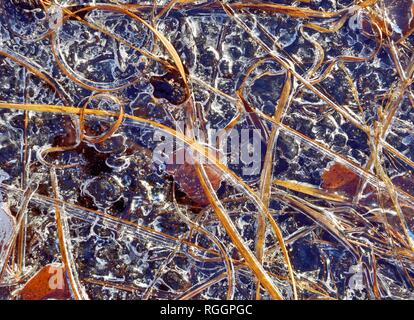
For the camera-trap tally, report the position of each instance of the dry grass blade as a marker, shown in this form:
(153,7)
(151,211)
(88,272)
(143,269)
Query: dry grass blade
(311,190)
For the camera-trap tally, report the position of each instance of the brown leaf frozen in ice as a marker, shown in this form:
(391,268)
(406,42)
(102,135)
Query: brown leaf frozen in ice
(48,283)
(340,178)
(186,177)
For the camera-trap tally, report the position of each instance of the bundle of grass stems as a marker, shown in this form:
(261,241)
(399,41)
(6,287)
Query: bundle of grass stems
(327,219)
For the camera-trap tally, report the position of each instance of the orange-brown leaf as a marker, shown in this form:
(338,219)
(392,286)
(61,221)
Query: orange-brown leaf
(49,283)
(340,178)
